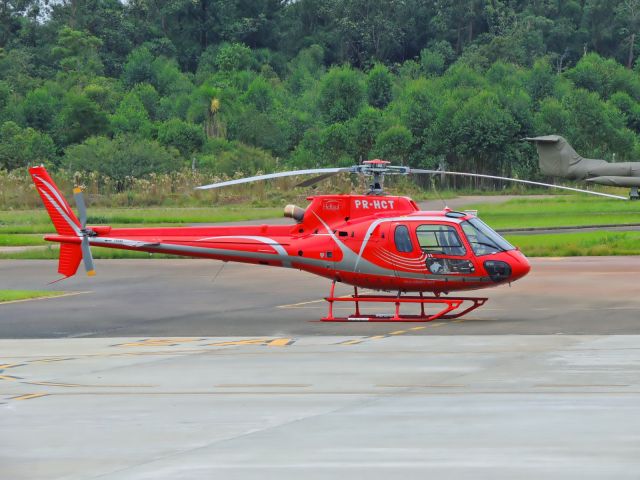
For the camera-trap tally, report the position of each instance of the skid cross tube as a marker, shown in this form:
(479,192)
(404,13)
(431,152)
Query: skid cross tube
(450,305)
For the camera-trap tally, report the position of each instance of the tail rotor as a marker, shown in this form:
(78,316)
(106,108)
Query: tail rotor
(85,232)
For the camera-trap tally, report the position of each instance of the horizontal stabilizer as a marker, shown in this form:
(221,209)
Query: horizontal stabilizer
(616,181)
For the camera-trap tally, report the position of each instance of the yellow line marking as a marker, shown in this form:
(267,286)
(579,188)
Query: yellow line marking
(561,385)
(8,377)
(280,342)
(353,342)
(254,341)
(263,385)
(50,360)
(294,305)
(29,396)
(70,294)
(417,328)
(377,337)
(271,342)
(398,332)
(10,365)
(158,342)
(421,386)
(54,384)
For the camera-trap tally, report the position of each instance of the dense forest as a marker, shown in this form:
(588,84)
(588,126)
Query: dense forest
(150,86)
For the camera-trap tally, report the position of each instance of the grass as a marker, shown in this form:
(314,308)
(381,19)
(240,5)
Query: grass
(567,210)
(18,240)
(578,244)
(37,221)
(12,295)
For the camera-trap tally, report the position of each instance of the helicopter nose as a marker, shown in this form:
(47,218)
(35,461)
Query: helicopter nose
(507,267)
(520,265)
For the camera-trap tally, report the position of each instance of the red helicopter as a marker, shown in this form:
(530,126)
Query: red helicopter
(373,241)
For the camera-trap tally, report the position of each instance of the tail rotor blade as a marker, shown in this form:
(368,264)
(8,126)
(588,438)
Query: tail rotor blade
(82,208)
(87,257)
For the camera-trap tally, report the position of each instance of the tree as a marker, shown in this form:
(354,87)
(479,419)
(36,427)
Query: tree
(260,94)
(394,144)
(365,128)
(78,119)
(233,56)
(39,108)
(21,147)
(336,145)
(185,137)
(552,118)
(138,67)
(77,52)
(122,157)
(628,14)
(341,94)
(481,132)
(379,84)
(131,117)
(222,156)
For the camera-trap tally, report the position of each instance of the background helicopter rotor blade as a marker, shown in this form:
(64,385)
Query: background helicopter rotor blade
(316,179)
(82,208)
(515,180)
(275,175)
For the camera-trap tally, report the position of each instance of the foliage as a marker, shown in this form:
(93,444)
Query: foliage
(186,137)
(379,84)
(307,83)
(341,94)
(120,158)
(20,147)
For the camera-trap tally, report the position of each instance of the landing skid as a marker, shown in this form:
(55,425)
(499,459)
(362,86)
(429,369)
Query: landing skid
(449,311)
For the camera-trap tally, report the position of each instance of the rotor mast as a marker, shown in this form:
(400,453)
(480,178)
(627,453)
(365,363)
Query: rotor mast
(377,169)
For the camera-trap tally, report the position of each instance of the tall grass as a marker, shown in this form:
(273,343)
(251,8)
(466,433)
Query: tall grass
(173,189)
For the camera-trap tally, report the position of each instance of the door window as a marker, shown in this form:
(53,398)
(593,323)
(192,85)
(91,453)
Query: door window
(402,239)
(440,239)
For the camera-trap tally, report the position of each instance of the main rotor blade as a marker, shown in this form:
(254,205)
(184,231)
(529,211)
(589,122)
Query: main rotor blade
(87,257)
(82,208)
(275,175)
(316,179)
(516,180)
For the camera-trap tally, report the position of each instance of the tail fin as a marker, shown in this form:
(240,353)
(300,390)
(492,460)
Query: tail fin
(63,218)
(556,156)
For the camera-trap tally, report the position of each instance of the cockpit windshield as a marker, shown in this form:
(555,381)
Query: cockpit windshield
(483,239)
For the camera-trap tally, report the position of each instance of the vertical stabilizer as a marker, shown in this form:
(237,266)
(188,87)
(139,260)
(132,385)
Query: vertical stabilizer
(556,156)
(63,218)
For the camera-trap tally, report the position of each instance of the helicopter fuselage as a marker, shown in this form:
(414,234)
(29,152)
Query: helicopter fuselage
(377,242)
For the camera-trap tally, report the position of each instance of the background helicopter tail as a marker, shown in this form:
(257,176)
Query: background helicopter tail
(555,156)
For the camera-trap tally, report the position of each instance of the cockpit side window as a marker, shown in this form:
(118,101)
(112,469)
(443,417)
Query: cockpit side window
(440,239)
(402,239)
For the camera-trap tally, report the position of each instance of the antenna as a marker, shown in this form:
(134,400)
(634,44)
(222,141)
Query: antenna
(433,185)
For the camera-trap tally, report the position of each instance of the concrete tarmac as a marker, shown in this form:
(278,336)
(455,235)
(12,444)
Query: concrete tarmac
(185,369)
(410,407)
(581,295)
